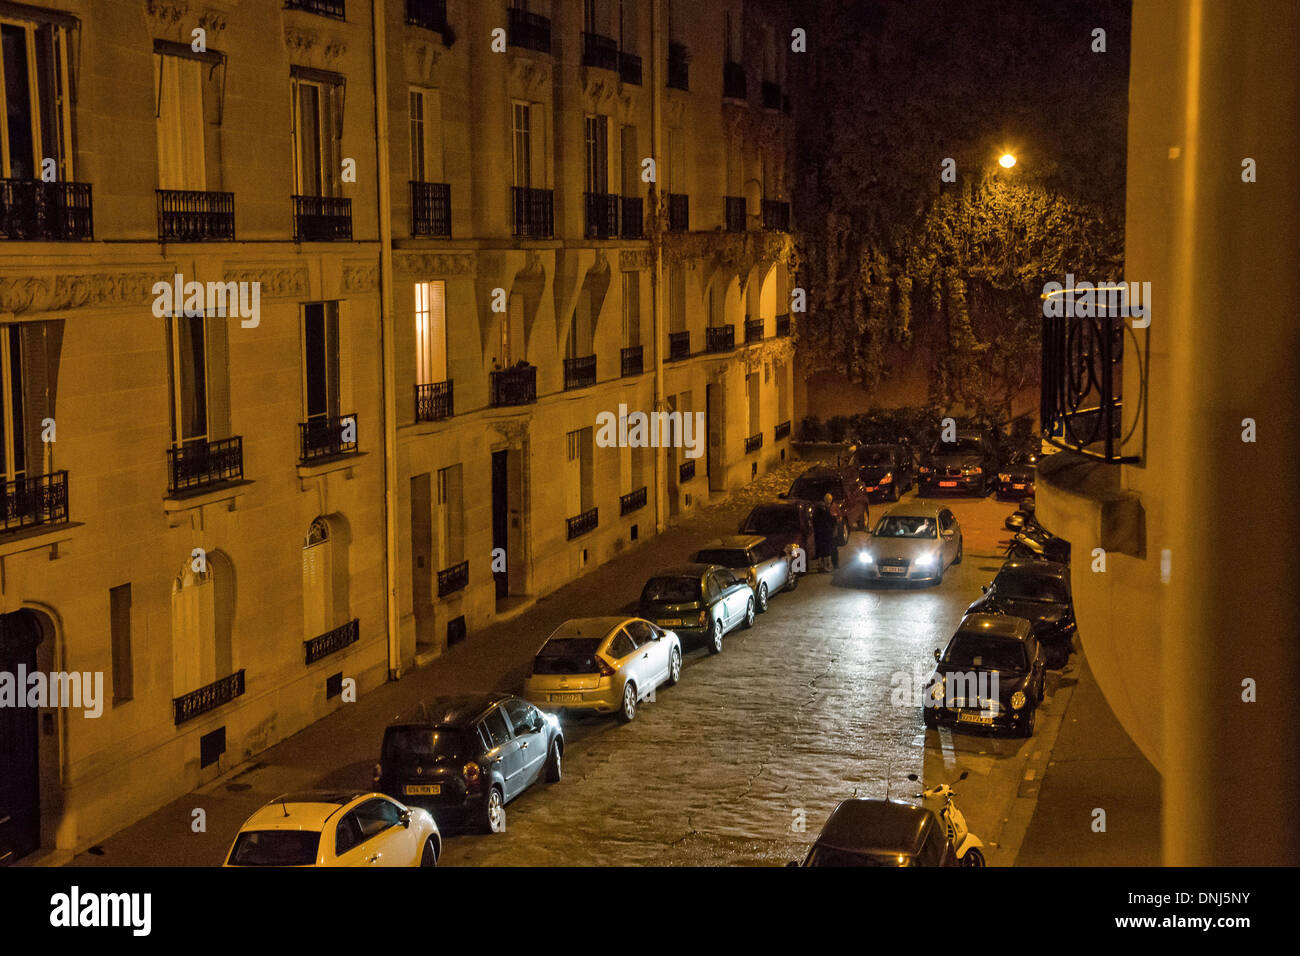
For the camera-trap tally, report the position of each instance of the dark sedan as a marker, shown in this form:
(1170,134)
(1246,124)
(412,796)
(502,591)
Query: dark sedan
(886,470)
(863,832)
(966,464)
(990,677)
(1038,591)
(1016,477)
(466,757)
(698,600)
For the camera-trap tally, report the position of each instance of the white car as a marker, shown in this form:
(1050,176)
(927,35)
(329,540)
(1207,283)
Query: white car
(915,541)
(336,828)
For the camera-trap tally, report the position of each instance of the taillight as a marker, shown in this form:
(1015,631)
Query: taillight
(605,669)
(473,772)
(702,616)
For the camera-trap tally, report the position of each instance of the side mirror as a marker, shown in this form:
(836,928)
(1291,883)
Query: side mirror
(781,495)
(937,654)
(406,818)
(984,588)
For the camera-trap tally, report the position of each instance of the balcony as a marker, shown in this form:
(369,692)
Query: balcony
(783,325)
(327,436)
(686,472)
(579,372)
(1081,402)
(735,85)
(782,431)
(429,14)
(734,209)
(321,218)
(533,211)
(513,386)
(776,215)
(602,215)
(632,360)
(771,95)
(720,338)
(38,500)
(528,30)
(34,210)
(679,345)
(434,402)
(632,218)
(599,51)
(753,330)
(332,641)
(325,8)
(633,501)
(208,698)
(191,215)
(629,68)
(453,579)
(753,443)
(581,524)
(679,68)
(201,464)
(679,212)
(431,209)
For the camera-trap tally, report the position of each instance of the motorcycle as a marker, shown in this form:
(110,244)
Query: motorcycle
(966,844)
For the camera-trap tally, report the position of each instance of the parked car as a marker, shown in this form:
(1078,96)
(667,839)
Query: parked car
(886,470)
(912,542)
(766,566)
(969,463)
(464,758)
(849,499)
(703,601)
(787,523)
(862,832)
(603,665)
(1016,477)
(1038,591)
(990,677)
(336,828)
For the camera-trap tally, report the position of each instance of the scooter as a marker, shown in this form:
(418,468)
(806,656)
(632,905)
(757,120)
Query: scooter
(966,844)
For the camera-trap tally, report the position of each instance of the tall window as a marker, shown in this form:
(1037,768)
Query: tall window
(430,332)
(13,437)
(676,159)
(181,159)
(581,327)
(580,493)
(188,377)
(509,342)
(34,99)
(597,141)
(626,26)
(728,47)
(676,298)
(203,605)
(426,136)
(119,618)
(320,346)
(451,513)
(317,129)
(324,577)
(631,309)
(589,19)
(523,143)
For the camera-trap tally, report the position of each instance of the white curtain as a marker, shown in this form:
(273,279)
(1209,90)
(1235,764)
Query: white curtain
(180,123)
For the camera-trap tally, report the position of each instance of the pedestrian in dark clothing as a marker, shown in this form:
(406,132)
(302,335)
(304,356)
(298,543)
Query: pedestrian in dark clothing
(824,536)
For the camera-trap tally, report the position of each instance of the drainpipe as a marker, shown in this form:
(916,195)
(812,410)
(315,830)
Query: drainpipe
(385,336)
(658,57)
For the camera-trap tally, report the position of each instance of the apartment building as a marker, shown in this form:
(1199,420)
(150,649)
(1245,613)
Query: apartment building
(295,391)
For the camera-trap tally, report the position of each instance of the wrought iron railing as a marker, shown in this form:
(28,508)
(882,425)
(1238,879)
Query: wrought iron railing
(781,431)
(326,8)
(332,641)
(629,68)
(514,386)
(632,501)
(327,436)
(528,30)
(720,338)
(599,51)
(753,330)
(40,499)
(686,471)
(783,325)
(679,212)
(771,95)
(34,209)
(632,217)
(735,85)
(579,372)
(533,211)
(679,345)
(776,215)
(1081,401)
(632,360)
(192,215)
(753,443)
(200,701)
(581,524)
(453,579)
(430,14)
(602,215)
(734,213)
(679,69)
(200,464)
(431,209)
(434,402)
(321,218)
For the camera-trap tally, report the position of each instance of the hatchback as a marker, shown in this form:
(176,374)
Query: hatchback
(767,566)
(700,601)
(863,832)
(990,677)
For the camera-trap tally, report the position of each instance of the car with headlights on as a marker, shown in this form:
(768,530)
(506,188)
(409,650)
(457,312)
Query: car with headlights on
(915,541)
(866,832)
(885,470)
(990,677)
(464,758)
(787,523)
(765,565)
(336,828)
(702,601)
(1016,477)
(966,464)
(603,665)
(1038,591)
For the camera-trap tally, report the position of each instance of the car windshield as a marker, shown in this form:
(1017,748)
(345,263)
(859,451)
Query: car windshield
(830,856)
(905,526)
(671,590)
(573,655)
(813,489)
(771,521)
(727,557)
(876,455)
(429,743)
(982,650)
(961,446)
(275,848)
(1028,587)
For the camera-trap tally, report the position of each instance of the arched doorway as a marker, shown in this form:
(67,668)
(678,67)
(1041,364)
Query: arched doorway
(20,794)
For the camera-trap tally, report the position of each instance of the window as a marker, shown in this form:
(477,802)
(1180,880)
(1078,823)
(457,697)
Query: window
(347,835)
(523,145)
(621,646)
(589,18)
(320,344)
(597,142)
(580,471)
(676,162)
(188,374)
(728,46)
(676,298)
(35,99)
(626,25)
(430,332)
(376,816)
(13,455)
(509,340)
(641,632)
(451,512)
(631,309)
(522,717)
(203,607)
(119,620)
(495,728)
(317,129)
(754,395)
(426,136)
(181,124)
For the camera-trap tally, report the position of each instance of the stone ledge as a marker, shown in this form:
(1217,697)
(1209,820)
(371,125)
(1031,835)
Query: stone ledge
(1116,513)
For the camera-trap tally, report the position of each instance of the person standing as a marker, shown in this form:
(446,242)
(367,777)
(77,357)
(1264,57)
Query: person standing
(824,535)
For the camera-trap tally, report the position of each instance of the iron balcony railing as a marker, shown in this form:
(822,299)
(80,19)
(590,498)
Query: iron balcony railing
(781,431)
(771,95)
(753,443)
(632,501)
(430,14)
(735,85)
(327,436)
(434,402)
(431,209)
(200,701)
(192,215)
(579,372)
(734,208)
(326,8)
(629,68)
(776,215)
(679,345)
(687,471)
(453,579)
(514,386)
(1081,402)
(528,30)
(633,227)
(632,360)
(533,211)
(321,218)
(33,209)
(599,51)
(720,338)
(679,212)
(783,325)
(332,641)
(602,215)
(40,499)
(753,330)
(201,464)
(679,70)
(583,523)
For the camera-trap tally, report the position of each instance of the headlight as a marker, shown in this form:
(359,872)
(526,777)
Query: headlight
(972,470)
(936,690)
(1003,476)
(864,557)
(1018,700)
(925,469)
(889,476)
(925,560)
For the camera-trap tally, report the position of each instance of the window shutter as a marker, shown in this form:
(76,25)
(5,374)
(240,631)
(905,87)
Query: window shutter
(218,377)
(40,343)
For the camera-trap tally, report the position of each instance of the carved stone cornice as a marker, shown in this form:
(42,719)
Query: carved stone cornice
(165,14)
(286,281)
(513,431)
(54,293)
(434,264)
(360,278)
(629,259)
(421,57)
(529,77)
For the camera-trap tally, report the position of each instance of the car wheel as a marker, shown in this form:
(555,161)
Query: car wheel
(762,598)
(791,581)
(715,637)
(554,763)
(628,711)
(429,857)
(1027,728)
(973,857)
(957,560)
(494,812)
(931,722)
(674,667)
(938,576)
(749,615)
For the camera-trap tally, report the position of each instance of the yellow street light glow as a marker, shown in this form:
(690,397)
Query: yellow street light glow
(1007,161)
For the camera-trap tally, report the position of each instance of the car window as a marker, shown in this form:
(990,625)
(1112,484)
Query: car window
(568,655)
(904,526)
(376,816)
(932,849)
(727,557)
(970,649)
(671,590)
(521,716)
(428,743)
(348,834)
(945,519)
(727,580)
(640,632)
(494,724)
(275,848)
(620,646)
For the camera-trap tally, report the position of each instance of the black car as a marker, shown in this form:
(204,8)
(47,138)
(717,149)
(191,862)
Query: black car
(787,523)
(990,677)
(1038,591)
(863,832)
(464,758)
(849,499)
(698,600)
(886,470)
(1016,477)
(968,463)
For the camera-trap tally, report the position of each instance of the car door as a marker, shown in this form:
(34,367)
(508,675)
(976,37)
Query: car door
(503,757)
(714,606)
(374,835)
(735,594)
(772,565)
(530,739)
(651,654)
(622,652)
(948,532)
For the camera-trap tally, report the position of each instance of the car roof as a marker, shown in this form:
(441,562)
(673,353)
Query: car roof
(1037,568)
(457,710)
(914,509)
(996,625)
(589,627)
(821,471)
(782,505)
(694,570)
(876,826)
(734,541)
(303,810)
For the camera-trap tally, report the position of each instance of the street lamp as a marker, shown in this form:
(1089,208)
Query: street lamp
(1007,161)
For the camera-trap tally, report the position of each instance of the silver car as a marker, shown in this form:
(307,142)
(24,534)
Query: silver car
(912,542)
(604,665)
(764,564)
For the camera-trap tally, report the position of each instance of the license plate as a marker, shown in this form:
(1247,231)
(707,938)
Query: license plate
(887,569)
(975,717)
(566,698)
(947,484)
(671,622)
(423,789)
(1019,487)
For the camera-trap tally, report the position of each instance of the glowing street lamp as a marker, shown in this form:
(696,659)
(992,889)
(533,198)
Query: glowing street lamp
(1007,161)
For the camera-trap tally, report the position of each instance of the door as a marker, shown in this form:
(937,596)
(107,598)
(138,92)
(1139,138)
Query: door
(422,558)
(948,531)
(501,520)
(503,758)
(374,836)
(20,797)
(738,595)
(651,655)
(530,739)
